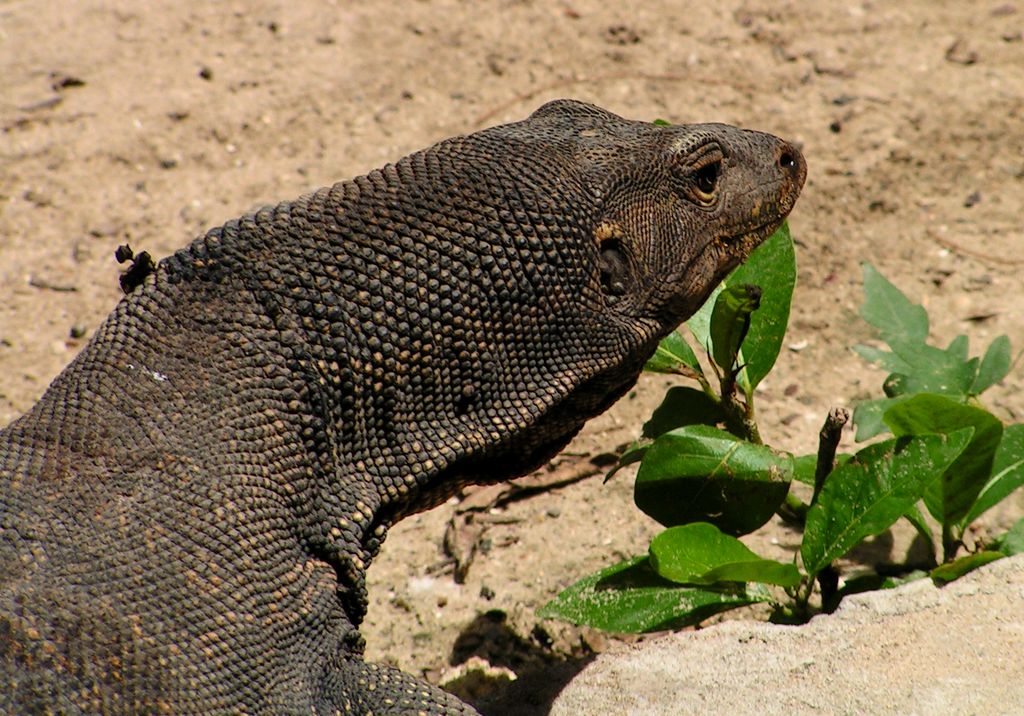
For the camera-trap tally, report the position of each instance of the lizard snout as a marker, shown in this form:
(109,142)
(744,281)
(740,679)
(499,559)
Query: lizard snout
(793,166)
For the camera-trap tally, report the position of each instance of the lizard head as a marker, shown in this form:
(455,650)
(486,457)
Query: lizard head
(679,206)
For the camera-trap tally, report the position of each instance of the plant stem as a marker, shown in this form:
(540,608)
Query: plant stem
(828,582)
(828,443)
(793,511)
(924,532)
(802,598)
(706,386)
(950,543)
(750,422)
(739,414)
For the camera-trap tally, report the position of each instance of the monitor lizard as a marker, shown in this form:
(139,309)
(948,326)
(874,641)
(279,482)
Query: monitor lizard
(187,515)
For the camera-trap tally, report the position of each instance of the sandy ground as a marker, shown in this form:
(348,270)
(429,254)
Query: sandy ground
(147,123)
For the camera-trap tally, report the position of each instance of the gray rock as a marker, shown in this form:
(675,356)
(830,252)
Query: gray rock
(915,650)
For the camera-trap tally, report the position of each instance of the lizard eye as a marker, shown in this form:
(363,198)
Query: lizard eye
(705,181)
(700,173)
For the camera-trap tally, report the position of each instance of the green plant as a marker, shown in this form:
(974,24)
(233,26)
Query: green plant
(706,475)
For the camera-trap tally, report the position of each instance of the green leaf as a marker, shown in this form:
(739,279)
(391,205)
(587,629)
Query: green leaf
(994,366)
(1012,541)
(730,319)
(680,407)
(867,416)
(634,453)
(896,385)
(702,474)
(890,311)
(867,495)
(661,123)
(921,368)
(772,266)
(915,366)
(959,567)
(685,553)
(673,355)
(631,598)
(881,358)
(700,553)
(933,370)
(1007,473)
(958,347)
(765,571)
(699,324)
(950,499)
(924,530)
(805,467)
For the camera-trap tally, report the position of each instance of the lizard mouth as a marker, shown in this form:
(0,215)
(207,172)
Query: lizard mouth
(758,232)
(744,242)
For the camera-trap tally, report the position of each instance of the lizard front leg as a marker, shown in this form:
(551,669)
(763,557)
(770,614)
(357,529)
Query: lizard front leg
(352,686)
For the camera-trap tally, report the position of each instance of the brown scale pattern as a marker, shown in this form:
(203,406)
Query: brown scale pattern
(187,515)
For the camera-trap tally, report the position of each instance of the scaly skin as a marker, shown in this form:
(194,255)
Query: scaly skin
(188,513)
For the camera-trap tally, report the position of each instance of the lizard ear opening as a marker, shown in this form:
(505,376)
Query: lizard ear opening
(614,267)
(613,261)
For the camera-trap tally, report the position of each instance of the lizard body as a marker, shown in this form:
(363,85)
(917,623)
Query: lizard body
(187,514)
